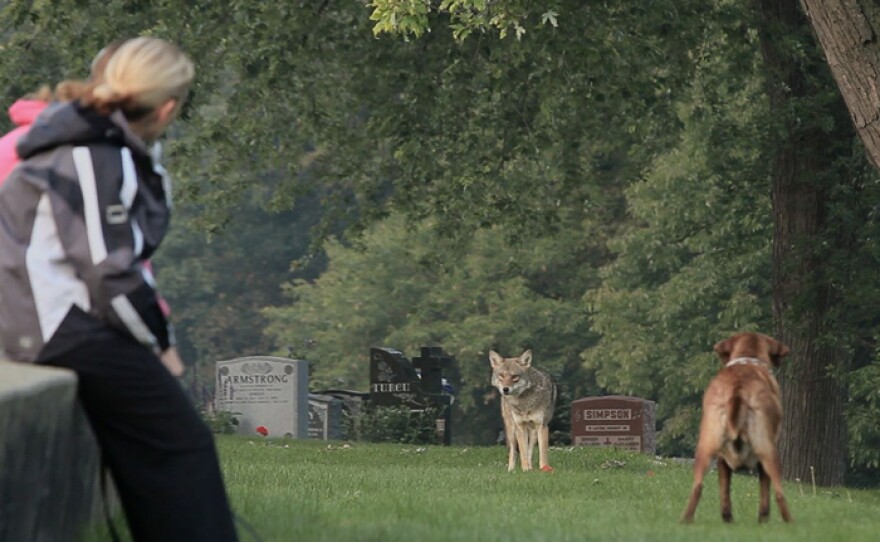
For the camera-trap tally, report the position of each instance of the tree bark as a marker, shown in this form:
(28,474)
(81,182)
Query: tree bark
(847,31)
(813,438)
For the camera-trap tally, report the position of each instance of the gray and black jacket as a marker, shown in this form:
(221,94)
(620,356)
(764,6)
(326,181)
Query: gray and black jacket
(78,217)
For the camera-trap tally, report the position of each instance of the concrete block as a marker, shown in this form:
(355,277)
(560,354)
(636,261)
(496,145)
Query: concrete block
(49,461)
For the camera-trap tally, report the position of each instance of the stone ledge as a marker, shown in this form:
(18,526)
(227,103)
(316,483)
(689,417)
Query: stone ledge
(17,379)
(49,487)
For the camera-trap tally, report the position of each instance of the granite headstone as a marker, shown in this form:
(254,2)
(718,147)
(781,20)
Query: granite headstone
(395,381)
(614,421)
(265,391)
(325,417)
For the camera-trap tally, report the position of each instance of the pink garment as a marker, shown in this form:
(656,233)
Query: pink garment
(23,113)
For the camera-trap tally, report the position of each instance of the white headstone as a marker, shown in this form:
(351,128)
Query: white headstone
(265,392)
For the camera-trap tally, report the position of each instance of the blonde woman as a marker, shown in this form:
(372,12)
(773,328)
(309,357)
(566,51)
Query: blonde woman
(26,110)
(78,218)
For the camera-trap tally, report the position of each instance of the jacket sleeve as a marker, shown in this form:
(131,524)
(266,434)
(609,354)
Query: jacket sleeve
(124,220)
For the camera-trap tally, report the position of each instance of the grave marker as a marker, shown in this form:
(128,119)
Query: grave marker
(614,421)
(265,391)
(325,417)
(394,381)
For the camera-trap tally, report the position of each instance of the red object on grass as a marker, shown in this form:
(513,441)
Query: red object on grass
(547,468)
(261,429)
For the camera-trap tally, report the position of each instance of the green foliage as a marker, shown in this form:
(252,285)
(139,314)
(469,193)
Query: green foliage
(407,17)
(220,422)
(693,265)
(863,426)
(398,290)
(393,424)
(217,287)
(412,18)
(474,134)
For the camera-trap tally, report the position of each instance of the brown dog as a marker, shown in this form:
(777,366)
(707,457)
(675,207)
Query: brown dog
(742,413)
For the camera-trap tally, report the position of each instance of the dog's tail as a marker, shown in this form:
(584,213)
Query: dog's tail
(736,415)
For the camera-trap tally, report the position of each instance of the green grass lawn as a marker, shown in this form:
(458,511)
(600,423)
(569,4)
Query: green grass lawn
(315,491)
(318,491)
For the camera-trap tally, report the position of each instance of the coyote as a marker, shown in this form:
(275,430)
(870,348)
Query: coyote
(527,400)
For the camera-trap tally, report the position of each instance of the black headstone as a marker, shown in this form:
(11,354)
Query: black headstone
(393,380)
(431,364)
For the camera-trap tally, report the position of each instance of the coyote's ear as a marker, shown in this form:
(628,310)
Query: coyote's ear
(778,351)
(526,358)
(495,358)
(723,349)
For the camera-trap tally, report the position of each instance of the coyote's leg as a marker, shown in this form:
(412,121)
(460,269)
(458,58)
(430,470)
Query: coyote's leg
(523,436)
(543,446)
(511,452)
(534,436)
(509,435)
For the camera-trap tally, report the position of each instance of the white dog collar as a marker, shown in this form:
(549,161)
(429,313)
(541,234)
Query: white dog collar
(746,361)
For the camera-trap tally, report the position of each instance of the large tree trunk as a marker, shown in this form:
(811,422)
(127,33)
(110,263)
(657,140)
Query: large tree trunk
(848,33)
(813,439)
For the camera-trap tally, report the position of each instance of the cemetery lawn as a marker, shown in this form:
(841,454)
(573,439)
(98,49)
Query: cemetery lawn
(306,490)
(290,490)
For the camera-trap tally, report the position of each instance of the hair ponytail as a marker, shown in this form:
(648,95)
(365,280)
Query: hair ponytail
(104,99)
(138,76)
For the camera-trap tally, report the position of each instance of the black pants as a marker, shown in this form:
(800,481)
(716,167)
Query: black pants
(160,452)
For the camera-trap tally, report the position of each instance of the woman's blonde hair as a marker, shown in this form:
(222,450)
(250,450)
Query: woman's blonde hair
(42,94)
(140,75)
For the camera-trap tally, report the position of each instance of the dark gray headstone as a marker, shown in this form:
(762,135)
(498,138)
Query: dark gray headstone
(351,403)
(325,417)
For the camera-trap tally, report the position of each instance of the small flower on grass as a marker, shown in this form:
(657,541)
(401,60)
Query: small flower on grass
(261,429)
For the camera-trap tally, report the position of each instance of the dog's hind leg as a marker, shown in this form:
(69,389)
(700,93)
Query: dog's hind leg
(701,465)
(711,436)
(724,488)
(764,431)
(764,506)
(708,445)
(770,465)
